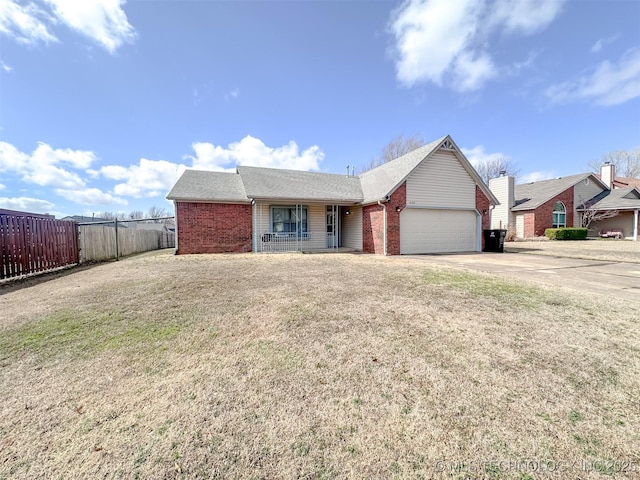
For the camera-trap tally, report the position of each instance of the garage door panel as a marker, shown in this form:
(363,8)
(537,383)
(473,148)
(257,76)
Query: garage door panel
(437,231)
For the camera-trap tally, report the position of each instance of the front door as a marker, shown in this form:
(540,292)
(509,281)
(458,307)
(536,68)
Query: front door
(332,226)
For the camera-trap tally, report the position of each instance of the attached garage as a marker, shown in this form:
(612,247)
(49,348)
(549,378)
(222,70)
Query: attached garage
(425,230)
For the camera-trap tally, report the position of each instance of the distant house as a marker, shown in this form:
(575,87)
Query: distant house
(16,213)
(86,219)
(529,209)
(430,200)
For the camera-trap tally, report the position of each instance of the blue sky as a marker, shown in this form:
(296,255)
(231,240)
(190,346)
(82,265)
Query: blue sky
(104,103)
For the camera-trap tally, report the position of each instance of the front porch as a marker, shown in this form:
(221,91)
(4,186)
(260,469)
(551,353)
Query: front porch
(301,227)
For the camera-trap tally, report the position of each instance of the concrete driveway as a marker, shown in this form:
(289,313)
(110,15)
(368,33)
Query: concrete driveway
(616,279)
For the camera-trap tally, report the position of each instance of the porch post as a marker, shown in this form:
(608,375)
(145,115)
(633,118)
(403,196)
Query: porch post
(635,225)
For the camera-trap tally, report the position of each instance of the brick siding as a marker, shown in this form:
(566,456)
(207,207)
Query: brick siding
(372,229)
(373,224)
(483,206)
(213,227)
(529,225)
(544,213)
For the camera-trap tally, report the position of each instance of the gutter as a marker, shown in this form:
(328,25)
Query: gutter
(384,210)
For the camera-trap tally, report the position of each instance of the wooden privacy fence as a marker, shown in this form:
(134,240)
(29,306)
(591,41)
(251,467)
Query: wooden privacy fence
(106,242)
(31,243)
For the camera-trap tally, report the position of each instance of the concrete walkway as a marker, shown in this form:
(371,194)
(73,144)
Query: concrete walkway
(588,277)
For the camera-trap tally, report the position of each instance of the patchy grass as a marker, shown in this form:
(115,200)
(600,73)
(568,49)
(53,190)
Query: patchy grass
(313,366)
(83,333)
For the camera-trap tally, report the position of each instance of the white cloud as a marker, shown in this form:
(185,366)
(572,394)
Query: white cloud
(235,93)
(601,43)
(445,42)
(536,176)
(149,178)
(477,155)
(90,196)
(101,20)
(26,204)
(5,67)
(251,151)
(608,84)
(42,166)
(2,187)
(470,73)
(25,23)
(524,16)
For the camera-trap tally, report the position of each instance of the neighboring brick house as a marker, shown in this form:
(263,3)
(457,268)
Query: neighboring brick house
(430,200)
(529,209)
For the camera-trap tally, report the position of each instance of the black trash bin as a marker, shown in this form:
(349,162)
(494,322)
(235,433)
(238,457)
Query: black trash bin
(494,240)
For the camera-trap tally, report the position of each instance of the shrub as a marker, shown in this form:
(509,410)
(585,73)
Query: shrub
(570,233)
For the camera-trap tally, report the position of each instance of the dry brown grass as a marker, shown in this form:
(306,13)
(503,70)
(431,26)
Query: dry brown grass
(593,249)
(312,366)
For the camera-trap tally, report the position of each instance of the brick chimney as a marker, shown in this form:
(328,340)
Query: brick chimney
(608,174)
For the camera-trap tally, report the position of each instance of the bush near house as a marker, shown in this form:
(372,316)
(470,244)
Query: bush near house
(569,233)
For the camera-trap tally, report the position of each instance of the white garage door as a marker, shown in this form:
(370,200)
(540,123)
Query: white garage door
(437,231)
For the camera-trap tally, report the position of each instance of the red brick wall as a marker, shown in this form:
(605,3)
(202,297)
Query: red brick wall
(483,205)
(213,227)
(372,229)
(544,213)
(529,225)
(373,224)
(398,200)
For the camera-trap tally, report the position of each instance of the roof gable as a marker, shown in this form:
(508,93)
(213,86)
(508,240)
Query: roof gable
(383,180)
(531,195)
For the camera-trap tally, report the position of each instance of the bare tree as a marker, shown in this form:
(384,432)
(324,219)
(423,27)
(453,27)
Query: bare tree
(492,167)
(112,215)
(627,162)
(397,147)
(136,215)
(157,212)
(592,215)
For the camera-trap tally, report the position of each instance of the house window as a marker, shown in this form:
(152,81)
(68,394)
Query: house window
(292,219)
(559,215)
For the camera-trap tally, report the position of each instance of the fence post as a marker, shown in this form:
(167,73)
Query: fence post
(115,221)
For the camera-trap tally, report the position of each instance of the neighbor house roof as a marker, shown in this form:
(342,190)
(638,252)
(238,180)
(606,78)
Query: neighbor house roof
(86,219)
(531,195)
(275,183)
(617,199)
(384,179)
(200,185)
(626,182)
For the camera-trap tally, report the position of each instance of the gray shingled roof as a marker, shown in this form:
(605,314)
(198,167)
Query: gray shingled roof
(619,199)
(271,183)
(531,195)
(275,183)
(381,181)
(201,185)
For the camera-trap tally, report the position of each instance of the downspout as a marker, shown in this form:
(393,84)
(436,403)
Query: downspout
(175,235)
(384,232)
(254,221)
